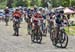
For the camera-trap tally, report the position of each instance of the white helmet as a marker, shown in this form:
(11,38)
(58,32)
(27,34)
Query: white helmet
(43,8)
(35,6)
(32,8)
(6,7)
(17,8)
(39,12)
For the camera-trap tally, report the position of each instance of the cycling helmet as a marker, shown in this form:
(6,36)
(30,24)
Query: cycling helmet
(6,7)
(17,9)
(38,12)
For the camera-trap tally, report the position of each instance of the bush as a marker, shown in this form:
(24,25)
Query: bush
(21,3)
(44,4)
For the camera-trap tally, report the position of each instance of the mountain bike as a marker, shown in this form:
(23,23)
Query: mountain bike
(60,39)
(16,24)
(36,35)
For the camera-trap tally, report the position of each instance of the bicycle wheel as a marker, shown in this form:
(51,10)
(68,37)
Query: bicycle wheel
(33,36)
(16,28)
(52,34)
(52,37)
(29,28)
(39,37)
(62,42)
(44,32)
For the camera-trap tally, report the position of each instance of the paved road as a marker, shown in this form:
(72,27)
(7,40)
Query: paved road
(9,43)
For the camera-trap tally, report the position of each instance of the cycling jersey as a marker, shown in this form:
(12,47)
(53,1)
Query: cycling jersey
(6,11)
(44,16)
(37,17)
(58,19)
(17,14)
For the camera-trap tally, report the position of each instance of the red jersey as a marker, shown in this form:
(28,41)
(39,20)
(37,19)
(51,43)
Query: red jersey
(37,16)
(17,13)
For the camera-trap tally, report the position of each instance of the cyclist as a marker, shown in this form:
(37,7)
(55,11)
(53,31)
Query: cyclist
(21,10)
(28,15)
(51,20)
(6,10)
(37,18)
(29,23)
(59,21)
(17,14)
(6,15)
(25,14)
(43,13)
(16,17)
(36,27)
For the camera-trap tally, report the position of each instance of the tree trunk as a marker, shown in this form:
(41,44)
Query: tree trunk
(9,3)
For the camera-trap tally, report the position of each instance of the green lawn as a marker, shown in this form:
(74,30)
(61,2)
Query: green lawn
(70,30)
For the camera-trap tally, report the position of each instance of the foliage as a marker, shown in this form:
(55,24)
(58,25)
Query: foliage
(43,3)
(21,3)
(70,30)
(9,3)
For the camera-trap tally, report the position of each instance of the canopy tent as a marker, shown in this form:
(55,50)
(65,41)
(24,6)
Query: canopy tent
(68,11)
(60,7)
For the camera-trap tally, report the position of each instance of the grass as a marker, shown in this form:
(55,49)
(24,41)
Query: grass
(70,30)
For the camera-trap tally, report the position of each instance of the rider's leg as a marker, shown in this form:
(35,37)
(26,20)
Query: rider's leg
(14,28)
(44,26)
(7,20)
(28,28)
(17,31)
(0,19)
(19,23)
(58,29)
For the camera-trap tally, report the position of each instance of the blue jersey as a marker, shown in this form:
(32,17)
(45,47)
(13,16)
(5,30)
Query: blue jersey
(44,16)
(58,19)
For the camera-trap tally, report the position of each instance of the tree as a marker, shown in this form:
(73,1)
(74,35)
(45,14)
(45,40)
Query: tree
(57,3)
(33,2)
(21,3)
(2,0)
(73,3)
(9,3)
(44,3)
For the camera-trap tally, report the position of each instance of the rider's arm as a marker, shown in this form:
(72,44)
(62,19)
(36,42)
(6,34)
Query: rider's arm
(13,14)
